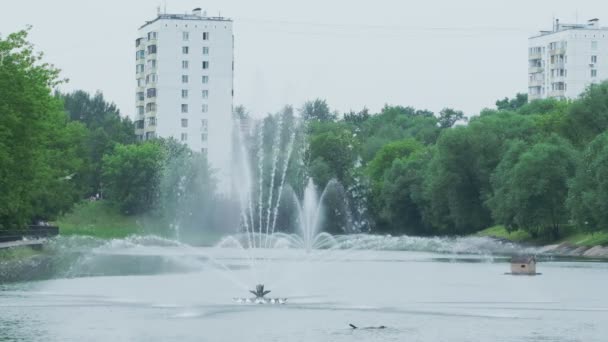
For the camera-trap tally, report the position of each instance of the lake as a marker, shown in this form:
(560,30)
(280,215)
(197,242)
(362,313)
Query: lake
(162,291)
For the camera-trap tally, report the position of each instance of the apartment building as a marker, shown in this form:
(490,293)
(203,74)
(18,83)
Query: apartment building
(184,83)
(563,62)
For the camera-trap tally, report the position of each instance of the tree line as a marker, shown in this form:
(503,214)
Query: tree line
(538,166)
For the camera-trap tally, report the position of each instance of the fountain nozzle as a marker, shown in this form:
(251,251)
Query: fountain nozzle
(259,291)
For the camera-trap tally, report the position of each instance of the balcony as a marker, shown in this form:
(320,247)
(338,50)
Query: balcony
(534,96)
(559,79)
(535,55)
(557,51)
(557,93)
(536,82)
(558,65)
(535,69)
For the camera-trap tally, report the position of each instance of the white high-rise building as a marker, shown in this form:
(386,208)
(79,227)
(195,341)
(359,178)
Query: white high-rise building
(184,88)
(563,62)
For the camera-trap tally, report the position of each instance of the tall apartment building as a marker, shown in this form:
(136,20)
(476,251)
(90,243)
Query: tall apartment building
(567,59)
(184,89)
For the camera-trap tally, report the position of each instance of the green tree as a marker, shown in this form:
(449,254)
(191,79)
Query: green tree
(531,186)
(403,206)
(106,128)
(588,116)
(588,196)
(38,156)
(331,144)
(458,178)
(317,110)
(515,103)
(448,117)
(131,176)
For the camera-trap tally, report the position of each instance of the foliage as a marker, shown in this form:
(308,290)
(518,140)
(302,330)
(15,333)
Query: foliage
(131,176)
(531,186)
(448,117)
(317,110)
(515,103)
(38,145)
(588,197)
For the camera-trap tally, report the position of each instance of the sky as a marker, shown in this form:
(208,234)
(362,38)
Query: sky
(428,54)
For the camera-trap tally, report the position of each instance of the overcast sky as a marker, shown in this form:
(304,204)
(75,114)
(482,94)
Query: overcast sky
(429,54)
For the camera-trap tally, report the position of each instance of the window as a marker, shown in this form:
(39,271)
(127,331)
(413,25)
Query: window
(593,45)
(184,108)
(151,78)
(140,54)
(150,107)
(185,36)
(184,93)
(205,94)
(205,64)
(139,68)
(204,125)
(185,50)
(140,110)
(205,35)
(152,35)
(205,108)
(184,64)
(204,151)
(205,79)
(151,92)
(593,73)
(151,49)
(205,50)
(151,63)
(140,82)
(152,121)
(204,137)
(184,137)
(140,96)
(593,59)
(184,78)
(185,123)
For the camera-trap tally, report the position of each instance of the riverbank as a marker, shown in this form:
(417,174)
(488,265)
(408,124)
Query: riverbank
(571,244)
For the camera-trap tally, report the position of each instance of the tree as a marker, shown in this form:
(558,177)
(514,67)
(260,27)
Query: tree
(402,206)
(332,145)
(106,128)
(588,116)
(448,117)
(38,146)
(531,186)
(131,176)
(588,196)
(512,104)
(317,110)
(458,179)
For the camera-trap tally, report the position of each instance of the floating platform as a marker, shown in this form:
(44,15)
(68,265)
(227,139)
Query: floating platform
(279,301)
(522,274)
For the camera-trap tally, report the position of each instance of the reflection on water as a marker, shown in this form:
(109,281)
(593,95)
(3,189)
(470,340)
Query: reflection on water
(142,289)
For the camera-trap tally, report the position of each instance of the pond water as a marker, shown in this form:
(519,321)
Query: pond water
(173,292)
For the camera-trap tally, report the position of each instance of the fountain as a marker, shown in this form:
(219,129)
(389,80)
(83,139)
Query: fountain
(262,162)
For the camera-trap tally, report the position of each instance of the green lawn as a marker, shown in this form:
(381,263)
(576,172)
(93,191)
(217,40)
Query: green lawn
(569,235)
(98,219)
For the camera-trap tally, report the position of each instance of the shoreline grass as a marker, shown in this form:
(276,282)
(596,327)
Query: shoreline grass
(571,236)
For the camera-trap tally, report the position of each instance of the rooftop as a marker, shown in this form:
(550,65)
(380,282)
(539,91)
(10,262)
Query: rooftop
(523,259)
(196,15)
(592,24)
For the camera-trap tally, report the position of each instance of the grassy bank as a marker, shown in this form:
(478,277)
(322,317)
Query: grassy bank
(571,236)
(98,219)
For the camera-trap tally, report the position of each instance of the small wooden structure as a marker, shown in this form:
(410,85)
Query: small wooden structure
(523,264)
